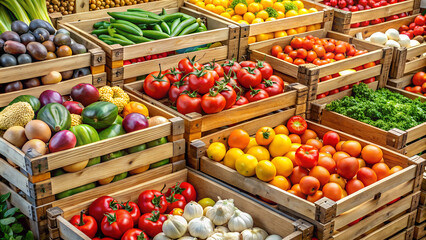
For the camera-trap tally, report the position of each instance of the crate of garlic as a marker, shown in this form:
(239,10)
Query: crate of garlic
(175,214)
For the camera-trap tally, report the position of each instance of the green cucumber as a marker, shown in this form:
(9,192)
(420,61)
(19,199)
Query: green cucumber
(157,28)
(133,18)
(182,26)
(75,191)
(171,17)
(175,23)
(119,177)
(190,29)
(124,27)
(134,38)
(165,27)
(137,148)
(159,164)
(100,31)
(155,34)
(132,25)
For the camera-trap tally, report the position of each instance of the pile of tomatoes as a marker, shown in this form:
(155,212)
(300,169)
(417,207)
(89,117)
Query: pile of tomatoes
(419,82)
(213,87)
(131,221)
(294,159)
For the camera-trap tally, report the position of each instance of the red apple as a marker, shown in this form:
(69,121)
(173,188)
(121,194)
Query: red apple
(333,3)
(401,15)
(365,23)
(375,21)
(341,3)
(363,2)
(73,107)
(418,31)
(85,93)
(354,9)
(420,20)
(355,25)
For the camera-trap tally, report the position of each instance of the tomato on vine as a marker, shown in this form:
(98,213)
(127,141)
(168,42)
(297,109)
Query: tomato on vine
(256,95)
(213,102)
(189,102)
(156,85)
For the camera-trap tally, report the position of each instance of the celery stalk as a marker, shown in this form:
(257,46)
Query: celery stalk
(36,9)
(5,21)
(16,9)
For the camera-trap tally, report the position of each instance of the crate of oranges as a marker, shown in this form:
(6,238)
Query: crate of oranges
(262,20)
(347,187)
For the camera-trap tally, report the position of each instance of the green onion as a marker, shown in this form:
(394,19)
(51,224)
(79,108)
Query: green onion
(5,21)
(16,9)
(36,9)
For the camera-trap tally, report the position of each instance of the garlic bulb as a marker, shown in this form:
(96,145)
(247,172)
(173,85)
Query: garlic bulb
(206,209)
(161,236)
(201,227)
(240,221)
(227,203)
(221,211)
(221,229)
(175,226)
(216,236)
(232,236)
(187,238)
(192,210)
(274,237)
(254,234)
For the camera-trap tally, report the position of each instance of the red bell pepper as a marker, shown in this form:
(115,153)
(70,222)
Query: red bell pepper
(306,156)
(86,224)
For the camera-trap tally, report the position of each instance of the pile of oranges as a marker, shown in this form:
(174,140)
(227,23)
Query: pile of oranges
(258,11)
(279,156)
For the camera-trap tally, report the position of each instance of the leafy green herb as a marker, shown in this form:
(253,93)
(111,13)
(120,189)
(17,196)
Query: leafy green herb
(10,226)
(235,2)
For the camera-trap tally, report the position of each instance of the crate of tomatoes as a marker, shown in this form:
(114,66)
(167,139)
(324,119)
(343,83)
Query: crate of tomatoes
(197,206)
(325,61)
(215,95)
(345,186)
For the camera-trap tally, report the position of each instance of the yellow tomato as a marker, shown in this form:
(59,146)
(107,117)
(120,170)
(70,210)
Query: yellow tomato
(231,156)
(246,165)
(261,153)
(249,1)
(252,143)
(194,1)
(283,165)
(299,4)
(210,7)
(280,145)
(291,31)
(291,155)
(301,29)
(303,11)
(266,3)
(279,6)
(257,20)
(200,4)
(251,39)
(281,182)
(280,15)
(270,19)
(265,171)
(76,166)
(226,14)
(236,18)
(219,9)
(291,13)
(240,8)
(249,17)
(295,146)
(312,10)
(225,3)
(217,2)
(139,170)
(317,26)
(216,151)
(270,35)
(281,129)
(261,37)
(253,7)
(262,14)
(310,28)
(208,1)
(280,34)
(106,180)
(230,11)
(206,202)
(243,22)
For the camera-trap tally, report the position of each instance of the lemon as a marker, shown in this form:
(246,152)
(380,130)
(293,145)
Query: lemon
(253,7)
(251,144)
(301,29)
(257,20)
(280,34)
(310,28)
(261,153)
(251,39)
(270,19)
(243,22)
(283,165)
(303,11)
(280,15)
(240,9)
(249,17)
(226,14)
(280,145)
(265,171)
(216,151)
(246,165)
(279,6)
(219,9)
(231,156)
(236,18)
(262,14)
(291,31)
(206,202)
(210,7)
(312,10)
(347,72)
(261,37)
(317,26)
(291,13)
(200,4)
(299,4)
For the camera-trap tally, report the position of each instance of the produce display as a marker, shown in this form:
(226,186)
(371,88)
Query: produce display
(252,12)
(174,215)
(138,26)
(213,87)
(12,224)
(103,4)
(293,158)
(23,10)
(419,82)
(405,36)
(360,5)
(53,123)
(381,108)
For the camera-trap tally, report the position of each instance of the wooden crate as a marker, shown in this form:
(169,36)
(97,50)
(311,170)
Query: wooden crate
(343,19)
(324,16)
(309,74)
(94,58)
(407,60)
(35,177)
(409,142)
(405,81)
(330,218)
(265,217)
(197,124)
(219,31)
(37,214)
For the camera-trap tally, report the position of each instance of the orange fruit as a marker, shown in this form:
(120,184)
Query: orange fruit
(281,129)
(309,185)
(298,191)
(295,138)
(340,155)
(333,191)
(320,173)
(354,185)
(328,163)
(367,176)
(336,178)
(297,174)
(381,169)
(281,182)
(283,165)
(395,169)
(328,149)
(314,143)
(371,154)
(339,146)
(308,134)
(238,139)
(315,197)
(347,167)
(353,148)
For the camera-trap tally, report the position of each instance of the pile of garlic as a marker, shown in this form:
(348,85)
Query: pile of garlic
(223,221)
(392,38)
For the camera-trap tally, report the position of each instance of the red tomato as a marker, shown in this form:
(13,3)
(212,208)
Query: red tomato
(213,102)
(265,69)
(231,66)
(340,49)
(271,87)
(297,125)
(173,75)
(116,223)
(256,95)
(288,49)
(152,200)
(419,78)
(339,56)
(416,89)
(301,53)
(201,81)
(404,28)
(299,61)
(344,88)
(177,89)
(293,54)
(156,85)
(420,20)
(152,223)
(275,50)
(277,79)
(311,56)
(329,47)
(370,80)
(424,88)
(86,224)
(418,31)
(229,94)
(331,138)
(101,206)
(215,67)
(241,100)
(133,209)
(249,77)
(175,201)
(307,44)
(185,189)
(319,50)
(296,43)
(250,64)
(134,234)
(188,103)
(187,65)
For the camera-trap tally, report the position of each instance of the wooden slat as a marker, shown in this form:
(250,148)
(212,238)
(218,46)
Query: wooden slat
(415,51)
(381,27)
(390,229)
(415,64)
(68,231)
(380,12)
(12,153)
(277,64)
(26,208)
(416,147)
(416,132)
(15,177)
